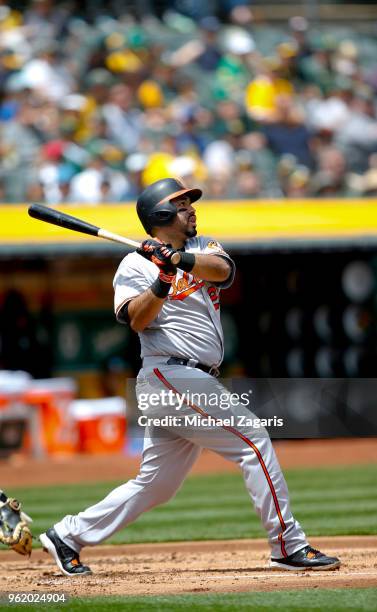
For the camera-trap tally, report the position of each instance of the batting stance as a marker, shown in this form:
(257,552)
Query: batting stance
(175,310)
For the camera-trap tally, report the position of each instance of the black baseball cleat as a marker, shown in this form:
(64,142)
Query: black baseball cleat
(67,559)
(306,559)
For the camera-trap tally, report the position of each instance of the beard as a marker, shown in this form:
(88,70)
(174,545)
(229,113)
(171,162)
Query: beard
(191,233)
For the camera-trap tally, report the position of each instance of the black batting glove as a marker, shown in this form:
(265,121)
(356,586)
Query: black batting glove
(148,247)
(162,258)
(160,254)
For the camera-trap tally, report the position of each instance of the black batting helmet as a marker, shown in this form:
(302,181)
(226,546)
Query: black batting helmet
(154,205)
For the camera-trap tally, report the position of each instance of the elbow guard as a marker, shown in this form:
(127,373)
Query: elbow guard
(123,316)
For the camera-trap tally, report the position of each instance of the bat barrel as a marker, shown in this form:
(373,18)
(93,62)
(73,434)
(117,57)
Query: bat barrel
(56,217)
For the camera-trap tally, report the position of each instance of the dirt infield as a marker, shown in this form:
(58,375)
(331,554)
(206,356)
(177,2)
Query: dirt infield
(21,470)
(189,567)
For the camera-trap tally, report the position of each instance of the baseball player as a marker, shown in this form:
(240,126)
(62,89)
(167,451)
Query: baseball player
(175,310)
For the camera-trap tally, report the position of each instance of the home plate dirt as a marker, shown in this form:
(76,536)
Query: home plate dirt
(187,567)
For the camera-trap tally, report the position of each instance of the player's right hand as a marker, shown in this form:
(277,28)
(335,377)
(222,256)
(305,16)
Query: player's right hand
(148,247)
(160,254)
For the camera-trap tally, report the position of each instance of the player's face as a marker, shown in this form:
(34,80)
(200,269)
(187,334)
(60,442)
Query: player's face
(185,221)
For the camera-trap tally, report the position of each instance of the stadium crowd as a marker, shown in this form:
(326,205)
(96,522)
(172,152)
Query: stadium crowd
(91,110)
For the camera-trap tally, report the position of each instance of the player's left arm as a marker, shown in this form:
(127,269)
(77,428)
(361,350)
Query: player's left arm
(212,264)
(212,268)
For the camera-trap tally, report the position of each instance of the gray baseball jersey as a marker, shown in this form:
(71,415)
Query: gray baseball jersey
(188,324)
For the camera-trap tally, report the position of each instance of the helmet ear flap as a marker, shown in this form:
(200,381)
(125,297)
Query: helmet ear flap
(163,214)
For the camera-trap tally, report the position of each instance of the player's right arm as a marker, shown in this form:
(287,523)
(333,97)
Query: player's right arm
(143,309)
(139,295)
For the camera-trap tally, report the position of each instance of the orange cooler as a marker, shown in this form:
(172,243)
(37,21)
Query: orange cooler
(52,398)
(13,385)
(101,424)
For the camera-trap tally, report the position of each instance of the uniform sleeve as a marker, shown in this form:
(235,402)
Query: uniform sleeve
(129,282)
(212,247)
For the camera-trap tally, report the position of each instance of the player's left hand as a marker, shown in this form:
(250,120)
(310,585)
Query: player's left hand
(14,525)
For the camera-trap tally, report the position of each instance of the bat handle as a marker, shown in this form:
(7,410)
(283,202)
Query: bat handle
(175,259)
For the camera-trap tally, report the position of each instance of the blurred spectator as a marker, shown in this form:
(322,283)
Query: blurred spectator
(298,183)
(288,133)
(230,119)
(97,183)
(358,136)
(189,138)
(123,120)
(299,32)
(248,184)
(331,177)
(35,193)
(316,67)
(219,155)
(285,168)
(263,92)
(366,184)
(345,59)
(3,197)
(218,186)
(46,75)
(330,112)
(204,50)
(45,20)
(134,165)
(19,147)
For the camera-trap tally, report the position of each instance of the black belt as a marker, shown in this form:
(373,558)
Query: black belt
(185,362)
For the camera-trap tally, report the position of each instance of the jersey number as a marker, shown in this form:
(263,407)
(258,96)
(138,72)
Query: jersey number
(214,295)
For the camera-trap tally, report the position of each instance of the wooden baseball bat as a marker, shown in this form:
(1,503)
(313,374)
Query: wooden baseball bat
(57,217)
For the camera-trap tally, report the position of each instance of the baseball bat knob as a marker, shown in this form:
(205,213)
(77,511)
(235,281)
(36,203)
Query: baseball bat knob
(175,259)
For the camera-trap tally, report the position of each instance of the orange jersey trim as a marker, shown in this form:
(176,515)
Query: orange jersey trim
(184,294)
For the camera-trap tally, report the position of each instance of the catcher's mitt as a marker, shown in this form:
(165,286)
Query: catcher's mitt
(14,525)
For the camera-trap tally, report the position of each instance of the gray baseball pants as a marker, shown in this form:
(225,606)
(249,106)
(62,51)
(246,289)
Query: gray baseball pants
(169,454)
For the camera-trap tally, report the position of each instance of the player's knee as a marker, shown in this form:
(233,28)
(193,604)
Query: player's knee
(165,493)
(158,487)
(160,493)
